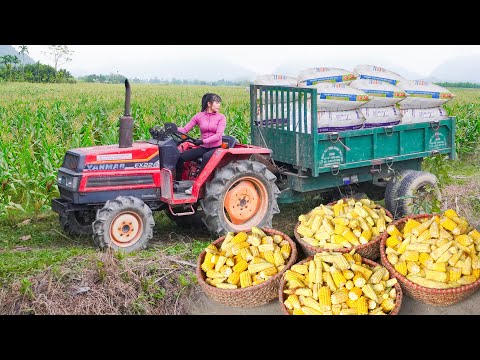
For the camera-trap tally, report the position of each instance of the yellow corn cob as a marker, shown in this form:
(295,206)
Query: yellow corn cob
(392,230)
(375,231)
(460,229)
(369,292)
(410,225)
(337,277)
(424,237)
(435,275)
(467,279)
(305,231)
(379,288)
(336,309)
(362,269)
(391,282)
(348,311)
(339,229)
(211,249)
(264,274)
(348,274)
(454,274)
(434,230)
(340,221)
(267,240)
(255,268)
(303,292)
(240,237)
(422,227)
(278,258)
(311,271)
(464,240)
(312,303)
(245,279)
(450,213)
(423,258)
(240,266)
(290,275)
(358,260)
(435,254)
(392,241)
(301,269)
(339,296)
(387,305)
(392,258)
(268,255)
(350,237)
(226,286)
(340,240)
(266,247)
(403,245)
(445,257)
(327,226)
(327,278)
(355,293)
(467,266)
(295,283)
(294,302)
(409,255)
(365,237)
(378,275)
(437,266)
(324,298)
(310,311)
(359,280)
(217,280)
(475,234)
(234,278)
(286,250)
(349,257)
(369,221)
(349,284)
(226,270)
(448,224)
(476,273)
(362,306)
(381,225)
(413,267)
(421,248)
(389,250)
(401,267)
(254,251)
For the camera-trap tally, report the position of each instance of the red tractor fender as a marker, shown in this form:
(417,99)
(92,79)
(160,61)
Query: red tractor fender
(220,158)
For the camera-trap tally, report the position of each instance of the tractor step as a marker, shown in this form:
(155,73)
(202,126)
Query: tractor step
(181,186)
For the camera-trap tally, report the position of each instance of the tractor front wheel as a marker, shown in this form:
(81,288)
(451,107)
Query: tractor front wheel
(125,224)
(77,223)
(240,195)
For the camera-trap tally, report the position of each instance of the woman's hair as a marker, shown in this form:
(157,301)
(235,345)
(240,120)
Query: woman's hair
(209,97)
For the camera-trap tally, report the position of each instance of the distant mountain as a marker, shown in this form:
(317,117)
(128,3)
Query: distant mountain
(461,69)
(10,50)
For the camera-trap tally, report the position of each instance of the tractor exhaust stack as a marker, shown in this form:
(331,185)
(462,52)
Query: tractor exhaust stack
(126,122)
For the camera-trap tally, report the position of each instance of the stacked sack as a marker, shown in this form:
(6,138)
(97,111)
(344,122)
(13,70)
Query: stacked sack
(273,80)
(380,85)
(424,101)
(338,103)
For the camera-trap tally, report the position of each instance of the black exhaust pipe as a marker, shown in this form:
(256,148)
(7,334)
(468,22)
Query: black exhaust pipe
(126,122)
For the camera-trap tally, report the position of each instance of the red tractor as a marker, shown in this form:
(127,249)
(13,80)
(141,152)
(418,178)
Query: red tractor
(110,191)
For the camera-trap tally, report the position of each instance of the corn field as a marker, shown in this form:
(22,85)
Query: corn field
(39,122)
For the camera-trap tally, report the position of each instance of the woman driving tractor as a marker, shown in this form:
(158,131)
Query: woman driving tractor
(212,124)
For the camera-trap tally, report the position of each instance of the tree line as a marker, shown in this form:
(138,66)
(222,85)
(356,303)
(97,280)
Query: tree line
(13,69)
(467,85)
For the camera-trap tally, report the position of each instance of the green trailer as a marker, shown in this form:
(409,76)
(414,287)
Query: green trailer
(382,160)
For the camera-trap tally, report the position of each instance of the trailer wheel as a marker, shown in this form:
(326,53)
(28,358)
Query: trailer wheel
(77,223)
(125,224)
(392,189)
(418,194)
(240,195)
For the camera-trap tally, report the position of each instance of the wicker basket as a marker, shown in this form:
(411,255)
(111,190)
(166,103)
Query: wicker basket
(398,299)
(370,250)
(436,297)
(251,296)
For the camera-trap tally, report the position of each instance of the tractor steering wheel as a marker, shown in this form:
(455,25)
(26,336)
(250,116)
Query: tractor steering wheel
(172,129)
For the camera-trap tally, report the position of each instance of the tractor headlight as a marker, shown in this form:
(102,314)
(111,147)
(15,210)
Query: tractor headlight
(67,180)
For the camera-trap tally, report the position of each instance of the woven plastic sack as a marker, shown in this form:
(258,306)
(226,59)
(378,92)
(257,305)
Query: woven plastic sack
(340,120)
(413,116)
(381,93)
(314,76)
(423,94)
(382,116)
(339,97)
(372,72)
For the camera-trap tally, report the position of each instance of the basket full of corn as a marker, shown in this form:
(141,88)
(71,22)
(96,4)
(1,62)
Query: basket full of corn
(435,257)
(244,269)
(333,283)
(342,226)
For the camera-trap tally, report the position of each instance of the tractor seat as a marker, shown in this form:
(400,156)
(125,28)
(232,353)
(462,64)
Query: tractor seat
(227,143)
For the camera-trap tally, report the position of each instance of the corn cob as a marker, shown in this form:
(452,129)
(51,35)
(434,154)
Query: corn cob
(358,260)
(348,274)
(362,269)
(286,250)
(301,269)
(369,292)
(409,255)
(401,267)
(467,279)
(435,254)
(226,286)
(387,305)
(410,225)
(278,258)
(327,278)
(245,279)
(348,311)
(403,245)
(310,311)
(437,266)
(392,258)
(423,258)
(218,280)
(290,275)
(475,234)
(324,298)
(355,293)
(264,274)
(392,241)
(337,277)
(435,275)
(240,266)
(339,296)
(422,227)
(413,267)
(212,249)
(362,306)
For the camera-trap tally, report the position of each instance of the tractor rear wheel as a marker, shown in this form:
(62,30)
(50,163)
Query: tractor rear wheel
(391,202)
(240,195)
(77,223)
(125,224)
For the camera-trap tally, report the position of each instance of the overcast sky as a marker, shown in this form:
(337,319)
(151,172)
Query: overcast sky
(147,61)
